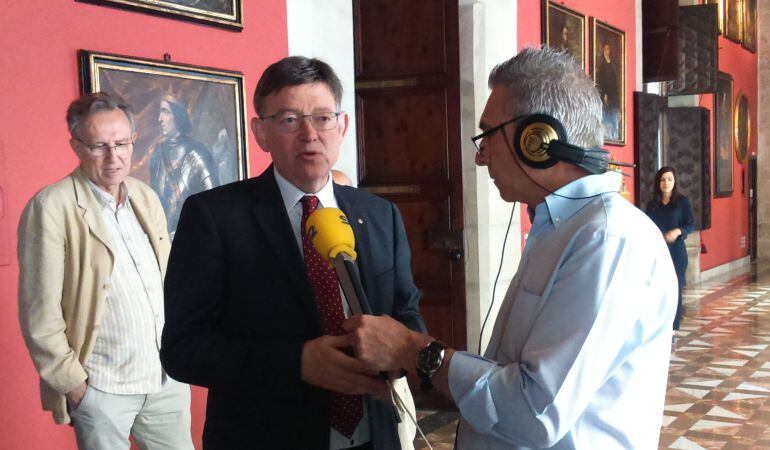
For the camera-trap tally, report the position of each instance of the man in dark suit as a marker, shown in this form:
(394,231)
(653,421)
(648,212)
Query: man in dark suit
(254,315)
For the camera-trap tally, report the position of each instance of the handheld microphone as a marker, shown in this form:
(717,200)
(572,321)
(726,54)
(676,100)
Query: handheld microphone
(331,235)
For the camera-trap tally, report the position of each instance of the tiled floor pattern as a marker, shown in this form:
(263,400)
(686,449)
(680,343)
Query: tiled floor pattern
(719,377)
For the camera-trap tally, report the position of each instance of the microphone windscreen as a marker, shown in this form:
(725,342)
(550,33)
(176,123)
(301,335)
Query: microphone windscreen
(330,233)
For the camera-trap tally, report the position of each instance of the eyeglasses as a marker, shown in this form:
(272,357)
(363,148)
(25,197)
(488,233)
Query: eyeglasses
(491,131)
(121,147)
(289,122)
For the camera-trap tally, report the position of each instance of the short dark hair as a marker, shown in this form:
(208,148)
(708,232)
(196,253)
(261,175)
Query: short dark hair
(293,71)
(89,104)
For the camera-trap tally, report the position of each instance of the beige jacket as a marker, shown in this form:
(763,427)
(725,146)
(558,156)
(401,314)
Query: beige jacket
(65,264)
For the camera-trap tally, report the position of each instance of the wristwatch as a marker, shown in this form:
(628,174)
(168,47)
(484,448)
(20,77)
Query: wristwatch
(429,361)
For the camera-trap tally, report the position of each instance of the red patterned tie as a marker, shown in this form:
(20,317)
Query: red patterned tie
(346,410)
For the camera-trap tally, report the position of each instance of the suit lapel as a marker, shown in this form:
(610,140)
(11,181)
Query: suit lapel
(350,207)
(273,221)
(91,214)
(149,228)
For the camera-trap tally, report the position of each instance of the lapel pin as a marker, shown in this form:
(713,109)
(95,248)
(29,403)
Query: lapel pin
(360,220)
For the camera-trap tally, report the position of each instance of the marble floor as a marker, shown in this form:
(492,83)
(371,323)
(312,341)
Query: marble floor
(719,376)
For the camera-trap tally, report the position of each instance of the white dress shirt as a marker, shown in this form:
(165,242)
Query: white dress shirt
(578,358)
(125,358)
(326,199)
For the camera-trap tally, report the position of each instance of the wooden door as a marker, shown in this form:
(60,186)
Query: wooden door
(408,119)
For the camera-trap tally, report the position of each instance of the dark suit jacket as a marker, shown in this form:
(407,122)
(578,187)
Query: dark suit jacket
(239,308)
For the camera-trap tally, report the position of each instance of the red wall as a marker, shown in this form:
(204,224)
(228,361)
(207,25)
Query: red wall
(621,15)
(38,75)
(730,215)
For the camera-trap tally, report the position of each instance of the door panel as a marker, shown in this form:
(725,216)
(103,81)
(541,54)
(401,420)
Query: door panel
(408,118)
(398,37)
(400,146)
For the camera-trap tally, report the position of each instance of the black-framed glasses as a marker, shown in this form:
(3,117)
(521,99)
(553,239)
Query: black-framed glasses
(100,149)
(289,122)
(491,131)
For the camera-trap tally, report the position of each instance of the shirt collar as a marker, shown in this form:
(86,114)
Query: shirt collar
(292,194)
(583,191)
(105,198)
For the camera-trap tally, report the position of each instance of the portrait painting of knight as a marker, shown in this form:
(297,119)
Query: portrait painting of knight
(189,122)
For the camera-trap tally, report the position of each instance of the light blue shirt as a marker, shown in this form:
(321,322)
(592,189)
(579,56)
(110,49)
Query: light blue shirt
(578,358)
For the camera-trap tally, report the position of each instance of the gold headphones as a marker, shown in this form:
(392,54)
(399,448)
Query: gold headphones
(540,141)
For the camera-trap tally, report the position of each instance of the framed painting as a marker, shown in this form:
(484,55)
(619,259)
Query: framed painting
(723,136)
(749,20)
(190,121)
(564,29)
(221,13)
(733,20)
(608,69)
(741,127)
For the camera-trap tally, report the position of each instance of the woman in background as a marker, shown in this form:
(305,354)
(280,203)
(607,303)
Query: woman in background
(672,213)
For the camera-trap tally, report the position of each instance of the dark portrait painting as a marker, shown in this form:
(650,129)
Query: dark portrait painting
(723,136)
(564,29)
(749,39)
(733,19)
(190,123)
(608,68)
(222,13)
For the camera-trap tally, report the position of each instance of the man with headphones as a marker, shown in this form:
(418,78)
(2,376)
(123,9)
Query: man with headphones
(579,354)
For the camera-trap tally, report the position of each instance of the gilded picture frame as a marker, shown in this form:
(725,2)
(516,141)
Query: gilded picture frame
(723,136)
(220,13)
(564,29)
(608,70)
(741,127)
(733,26)
(190,121)
(749,23)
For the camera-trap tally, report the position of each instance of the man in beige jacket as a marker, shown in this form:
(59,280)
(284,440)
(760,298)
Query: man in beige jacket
(92,251)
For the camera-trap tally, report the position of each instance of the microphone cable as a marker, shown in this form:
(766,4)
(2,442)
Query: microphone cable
(332,231)
(396,400)
(497,277)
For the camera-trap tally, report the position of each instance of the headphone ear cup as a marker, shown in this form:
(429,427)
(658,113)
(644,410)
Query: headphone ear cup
(532,137)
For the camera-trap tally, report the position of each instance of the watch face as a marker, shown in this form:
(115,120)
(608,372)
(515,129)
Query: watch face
(430,357)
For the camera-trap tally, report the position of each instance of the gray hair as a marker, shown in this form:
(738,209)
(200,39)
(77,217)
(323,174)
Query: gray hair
(549,81)
(89,104)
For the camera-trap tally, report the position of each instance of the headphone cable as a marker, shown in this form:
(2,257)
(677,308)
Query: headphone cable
(508,229)
(497,277)
(518,163)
